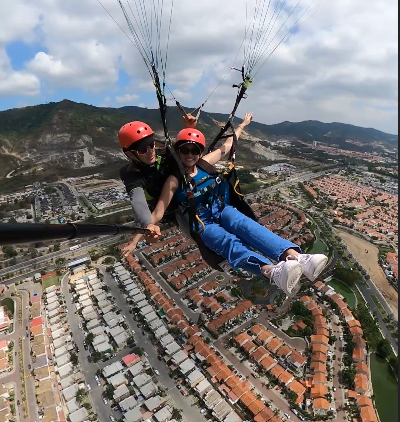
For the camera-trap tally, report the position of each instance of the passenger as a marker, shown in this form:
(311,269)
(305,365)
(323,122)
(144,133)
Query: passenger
(241,241)
(146,172)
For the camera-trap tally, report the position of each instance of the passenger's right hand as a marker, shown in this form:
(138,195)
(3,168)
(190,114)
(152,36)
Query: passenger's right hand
(155,232)
(189,121)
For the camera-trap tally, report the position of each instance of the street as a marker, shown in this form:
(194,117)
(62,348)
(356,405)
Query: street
(61,253)
(15,375)
(87,368)
(190,413)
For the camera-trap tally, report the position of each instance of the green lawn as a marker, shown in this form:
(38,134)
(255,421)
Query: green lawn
(379,306)
(50,281)
(345,291)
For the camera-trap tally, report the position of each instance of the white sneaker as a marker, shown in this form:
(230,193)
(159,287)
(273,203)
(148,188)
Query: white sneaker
(286,275)
(312,264)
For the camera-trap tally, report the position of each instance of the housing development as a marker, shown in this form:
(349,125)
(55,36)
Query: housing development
(90,334)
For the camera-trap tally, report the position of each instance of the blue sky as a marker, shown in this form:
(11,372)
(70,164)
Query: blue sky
(338,66)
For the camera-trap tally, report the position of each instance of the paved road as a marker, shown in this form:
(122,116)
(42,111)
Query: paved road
(15,375)
(339,398)
(193,316)
(26,347)
(191,414)
(302,177)
(271,395)
(367,293)
(60,254)
(87,368)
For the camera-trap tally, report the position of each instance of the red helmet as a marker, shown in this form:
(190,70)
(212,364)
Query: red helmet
(132,133)
(191,136)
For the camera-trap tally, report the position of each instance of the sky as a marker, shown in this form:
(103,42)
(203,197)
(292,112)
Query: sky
(338,63)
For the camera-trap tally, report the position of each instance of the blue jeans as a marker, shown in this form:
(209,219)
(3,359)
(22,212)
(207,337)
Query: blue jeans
(235,236)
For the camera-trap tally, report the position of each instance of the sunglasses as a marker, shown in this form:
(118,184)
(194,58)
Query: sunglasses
(142,151)
(186,150)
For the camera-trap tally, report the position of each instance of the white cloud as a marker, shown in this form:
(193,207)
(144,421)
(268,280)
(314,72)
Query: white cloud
(127,99)
(16,83)
(340,65)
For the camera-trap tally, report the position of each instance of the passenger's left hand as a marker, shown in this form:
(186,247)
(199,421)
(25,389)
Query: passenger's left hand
(247,119)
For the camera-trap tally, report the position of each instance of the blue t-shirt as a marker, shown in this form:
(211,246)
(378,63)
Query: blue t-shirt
(202,194)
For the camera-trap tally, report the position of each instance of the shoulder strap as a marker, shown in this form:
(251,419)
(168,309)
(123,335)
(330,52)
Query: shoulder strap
(207,167)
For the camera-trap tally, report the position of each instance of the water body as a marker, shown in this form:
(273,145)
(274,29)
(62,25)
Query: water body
(385,389)
(319,246)
(344,290)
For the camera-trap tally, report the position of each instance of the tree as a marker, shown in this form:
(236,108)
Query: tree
(130,341)
(56,247)
(74,359)
(9,251)
(109,393)
(176,414)
(80,394)
(89,338)
(384,349)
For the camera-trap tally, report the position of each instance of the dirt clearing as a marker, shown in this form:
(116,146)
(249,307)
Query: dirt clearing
(370,263)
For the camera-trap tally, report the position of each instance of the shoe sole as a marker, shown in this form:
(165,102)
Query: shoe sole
(320,267)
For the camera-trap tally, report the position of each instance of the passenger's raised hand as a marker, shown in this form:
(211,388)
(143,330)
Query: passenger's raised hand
(189,121)
(247,119)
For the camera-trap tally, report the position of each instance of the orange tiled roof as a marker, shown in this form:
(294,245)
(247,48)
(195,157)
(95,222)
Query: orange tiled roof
(242,338)
(257,329)
(359,354)
(297,387)
(283,351)
(248,398)
(356,331)
(277,371)
(285,377)
(256,407)
(249,346)
(361,382)
(318,367)
(264,336)
(321,404)
(319,378)
(298,357)
(319,391)
(368,414)
(267,362)
(364,400)
(319,357)
(274,344)
(265,415)
(259,354)
(361,367)
(319,348)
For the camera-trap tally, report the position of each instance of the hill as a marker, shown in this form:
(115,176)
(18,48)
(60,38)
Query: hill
(68,138)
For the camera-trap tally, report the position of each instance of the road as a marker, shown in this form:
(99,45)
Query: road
(271,395)
(59,254)
(87,368)
(190,413)
(368,292)
(302,177)
(193,316)
(15,375)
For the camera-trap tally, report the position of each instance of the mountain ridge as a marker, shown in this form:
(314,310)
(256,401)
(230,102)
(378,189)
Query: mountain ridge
(67,135)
